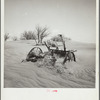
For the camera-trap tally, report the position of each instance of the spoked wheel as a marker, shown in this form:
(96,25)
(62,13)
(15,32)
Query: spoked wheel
(36,50)
(70,56)
(34,54)
(73,57)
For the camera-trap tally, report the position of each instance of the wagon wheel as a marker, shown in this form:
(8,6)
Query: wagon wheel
(34,54)
(73,56)
(70,56)
(36,50)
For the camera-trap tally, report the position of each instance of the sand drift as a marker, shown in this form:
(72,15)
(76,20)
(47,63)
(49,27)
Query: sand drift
(79,74)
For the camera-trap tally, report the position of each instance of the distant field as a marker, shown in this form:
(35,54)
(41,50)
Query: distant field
(80,74)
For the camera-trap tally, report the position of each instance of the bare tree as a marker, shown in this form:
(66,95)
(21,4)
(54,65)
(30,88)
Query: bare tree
(25,35)
(41,33)
(33,36)
(44,34)
(38,32)
(28,35)
(6,36)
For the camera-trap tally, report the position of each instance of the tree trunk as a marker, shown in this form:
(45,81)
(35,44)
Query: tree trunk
(38,38)
(35,41)
(41,40)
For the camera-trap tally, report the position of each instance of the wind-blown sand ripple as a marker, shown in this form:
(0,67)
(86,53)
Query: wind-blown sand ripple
(80,74)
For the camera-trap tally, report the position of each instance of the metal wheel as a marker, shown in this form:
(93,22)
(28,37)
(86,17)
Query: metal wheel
(73,57)
(70,56)
(36,50)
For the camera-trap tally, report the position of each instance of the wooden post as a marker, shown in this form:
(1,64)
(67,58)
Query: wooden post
(63,42)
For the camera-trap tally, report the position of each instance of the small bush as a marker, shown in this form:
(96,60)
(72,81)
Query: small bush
(14,38)
(28,35)
(51,43)
(58,38)
(6,36)
(22,38)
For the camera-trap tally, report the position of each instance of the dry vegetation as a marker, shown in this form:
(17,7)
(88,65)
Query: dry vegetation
(6,36)
(38,35)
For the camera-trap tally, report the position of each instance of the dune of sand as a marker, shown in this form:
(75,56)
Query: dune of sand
(79,74)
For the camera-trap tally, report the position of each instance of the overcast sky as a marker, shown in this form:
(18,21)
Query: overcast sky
(74,18)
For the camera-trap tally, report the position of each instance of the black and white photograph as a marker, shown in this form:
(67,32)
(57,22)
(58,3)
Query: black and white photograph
(50,44)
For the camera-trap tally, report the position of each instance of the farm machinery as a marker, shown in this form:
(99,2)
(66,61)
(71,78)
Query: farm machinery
(36,53)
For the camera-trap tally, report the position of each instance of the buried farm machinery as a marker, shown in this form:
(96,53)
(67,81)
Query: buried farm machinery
(36,53)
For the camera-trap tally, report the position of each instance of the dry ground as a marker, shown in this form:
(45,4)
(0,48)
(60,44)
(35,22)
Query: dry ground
(80,74)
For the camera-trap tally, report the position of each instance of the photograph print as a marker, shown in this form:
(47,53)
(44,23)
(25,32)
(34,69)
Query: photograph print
(50,43)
